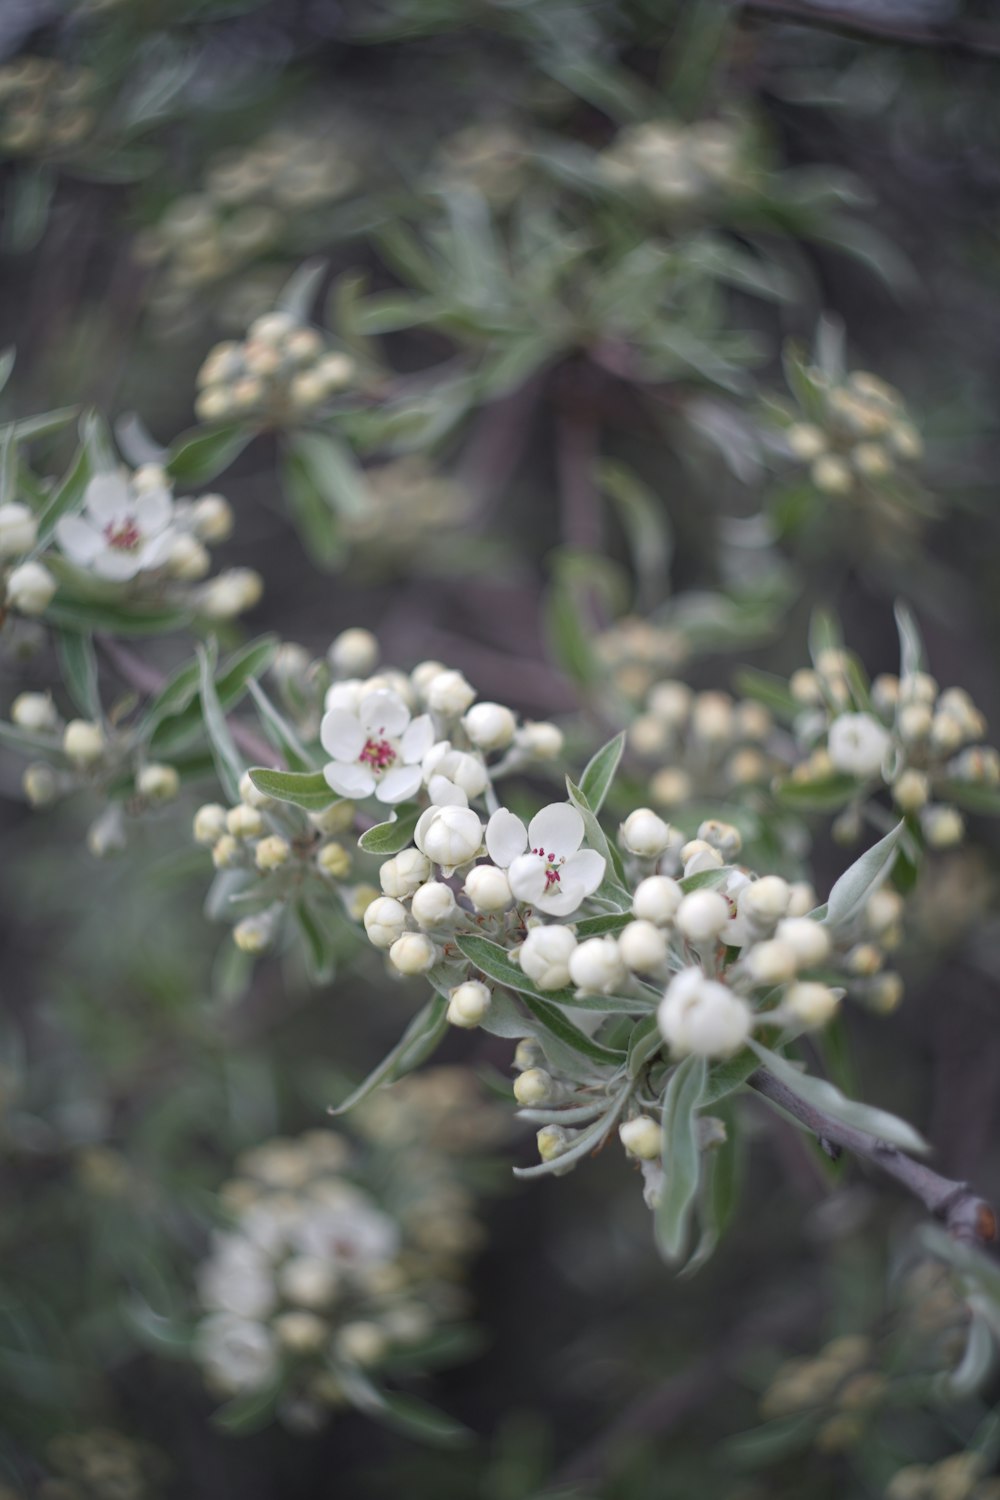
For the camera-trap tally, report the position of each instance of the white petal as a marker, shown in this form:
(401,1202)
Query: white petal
(383,712)
(584,869)
(506,837)
(398,784)
(154,552)
(417,739)
(558,829)
(349,780)
(560,899)
(444,793)
(80,541)
(107,497)
(113,563)
(341,735)
(527,877)
(153,511)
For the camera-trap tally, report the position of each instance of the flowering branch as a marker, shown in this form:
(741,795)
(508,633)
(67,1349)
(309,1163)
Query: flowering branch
(963,1213)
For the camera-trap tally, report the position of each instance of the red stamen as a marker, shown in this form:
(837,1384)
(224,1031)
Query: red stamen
(378,754)
(124,537)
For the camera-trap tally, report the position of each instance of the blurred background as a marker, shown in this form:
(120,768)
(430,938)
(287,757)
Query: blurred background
(550,232)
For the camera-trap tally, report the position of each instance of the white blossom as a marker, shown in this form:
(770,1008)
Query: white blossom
(596,967)
(490,726)
(488,889)
(449,836)
(545,954)
(702,915)
(18,529)
(858,744)
(702,1016)
(237,1354)
(544,862)
(123,531)
(377,749)
(453,776)
(30,588)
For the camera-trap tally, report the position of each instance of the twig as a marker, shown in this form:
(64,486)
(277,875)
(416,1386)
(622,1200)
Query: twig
(963,1212)
(966,41)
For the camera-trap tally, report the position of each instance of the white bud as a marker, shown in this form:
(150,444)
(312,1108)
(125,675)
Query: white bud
(831,475)
(914,722)
(30,588)
(918,687)
(772,962)
(490,726)
(644,833)
(540,739)
(857,744)
(656,899)
(812,1004)
(910,791)
(468,1004)
(401,876)
(251,796)
(272,327)
(722,836)
(83,742)
(334,860)
(449,836)
(702,915)
(643,947)
(801,899)
(808,940)
(449,694)
(335,372)
(596,967)
(943,826)
(307,1280)
(533,1087)
(423,675)
(701,1016)
(39,784)
(385,921)
(253,935)
(188,559)
(354,653)
(230,593)
(361,1343)
(488,889)
(884,909)
(212,518)
(641,1137)
(271,853)
(244,822)
(226,852)
(413,953)
(34,711)
(670,702)
(765,901)
(553,1141)
(671,787)
(337,818)
(18,529)
(712,718)
(699,855)
(300,1332)
(805,440)
(433,904)
(545,956)
(158,783)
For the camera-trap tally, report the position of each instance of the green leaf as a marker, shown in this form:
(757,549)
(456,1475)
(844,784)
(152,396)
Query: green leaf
(912,656)
(200,455)
(404,1413)
(588,1140)
(681,1156)
(825,634)
(596,839)
(725,1077)
(417,1042)
(717,1196)
(768,689)
(320,956)
(248,1412)
(852,890)
(8,467)
(646,526)
(974,796)
(598,926)
(78,665)
(644,1043)
(176,720)
(335,473)
(7,358)
(86,616)
(600,772)
(227,760)
(388,838)
(311,515)
(66,497)
(826,1097)
(307,789)
(281,734)
(297,296)
(825,794)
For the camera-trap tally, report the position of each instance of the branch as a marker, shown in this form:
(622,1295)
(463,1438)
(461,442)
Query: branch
(966,41)
(963,1213)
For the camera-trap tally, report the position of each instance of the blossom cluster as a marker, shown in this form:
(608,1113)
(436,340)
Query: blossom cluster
(491,158)
(407,502)
(703,744)
(858,435)
(99,1463)
(46,107)
(637,653)
(676,164)
(282,371)
(313,1278)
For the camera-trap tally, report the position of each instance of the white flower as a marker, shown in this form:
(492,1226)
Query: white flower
(18,529)
(30,588)
(377,749)
(125,531)
(545,954)
(237,1278)
(349,1232)
(555,874)
(34,711)
(450,836)
(453,776)
(237,1354)
(858,744)
(700,1015)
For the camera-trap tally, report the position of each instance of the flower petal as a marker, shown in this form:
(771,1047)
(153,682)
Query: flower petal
(349,780)
(107,497)
(153,511)
(559,900)
(111,563)
(506,837)
(80,541)
(154,552)
(341,735)
(558,829)
(527,878)
(585,869)
(383,711)
(398,784)
(444,793)
(417,739)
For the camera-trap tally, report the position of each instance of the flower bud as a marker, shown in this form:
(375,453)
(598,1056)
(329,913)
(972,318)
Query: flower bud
(230,593)
(865,959)
(385,921)
(488,888)
(831,475)
(35,712)
(883,993)
(554,1141)
(413,953)
(334,860)
(354,653)
(449,836)
(801,899)
(401,876)
(244,822)
(490,726)
(157,782)
(808,940)
(533,1087)
(545,956)
(765,901)
(812,1004)
(226,852)
(209,823)
(449,694)
(358,901)
(805,687)
(913,723)
(528,1054)
(271,853)
(656,900)
(596,967)
(83,742)
(212,518)
(701,1016)
(39,784)
(271,328)
(857,744)
(18,529)
(433,904)
(468,1004)
(188,559)
(670,787)
(337,818)
(943,827)
(540,739)
(918,687)
(721,836)
(251,796)
(307,1280)
(361,1343)
(335,372)
(300,1332)
(645,834)
(641,1137)
(805,440)
(772,962)
(910,791)
(30,588)
(883,909)
(423,675)
(698,855)
(253,935)
(712,718)
(702,915)
(643,947)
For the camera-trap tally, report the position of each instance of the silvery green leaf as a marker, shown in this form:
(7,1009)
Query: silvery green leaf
(585,1142)
(851,892)
(599,774)
(227,760)
(395,834)
(912,656)
(306,789)
(417,1042)
(681,1156)
(826,1097)
(78,664)
(297,296)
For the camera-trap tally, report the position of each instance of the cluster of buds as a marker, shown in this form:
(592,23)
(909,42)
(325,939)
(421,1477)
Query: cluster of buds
(281,372)
(961,1476)
(313,1278)
(637,653)
(677,165)
(704,744)
(857,437)
(408,503)
(46,107)
(248,201)
(907,735)
(100,1464)
(840,1387)
(492,158)
(28,585)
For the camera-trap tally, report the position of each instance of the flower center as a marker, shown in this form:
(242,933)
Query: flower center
(124,536)
(378,753)
(552,866)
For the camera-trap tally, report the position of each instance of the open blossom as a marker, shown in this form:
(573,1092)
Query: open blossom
(123,531)
(544,862)
(376,749)
(858,744)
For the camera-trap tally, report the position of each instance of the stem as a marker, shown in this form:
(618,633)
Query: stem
(964,1214)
